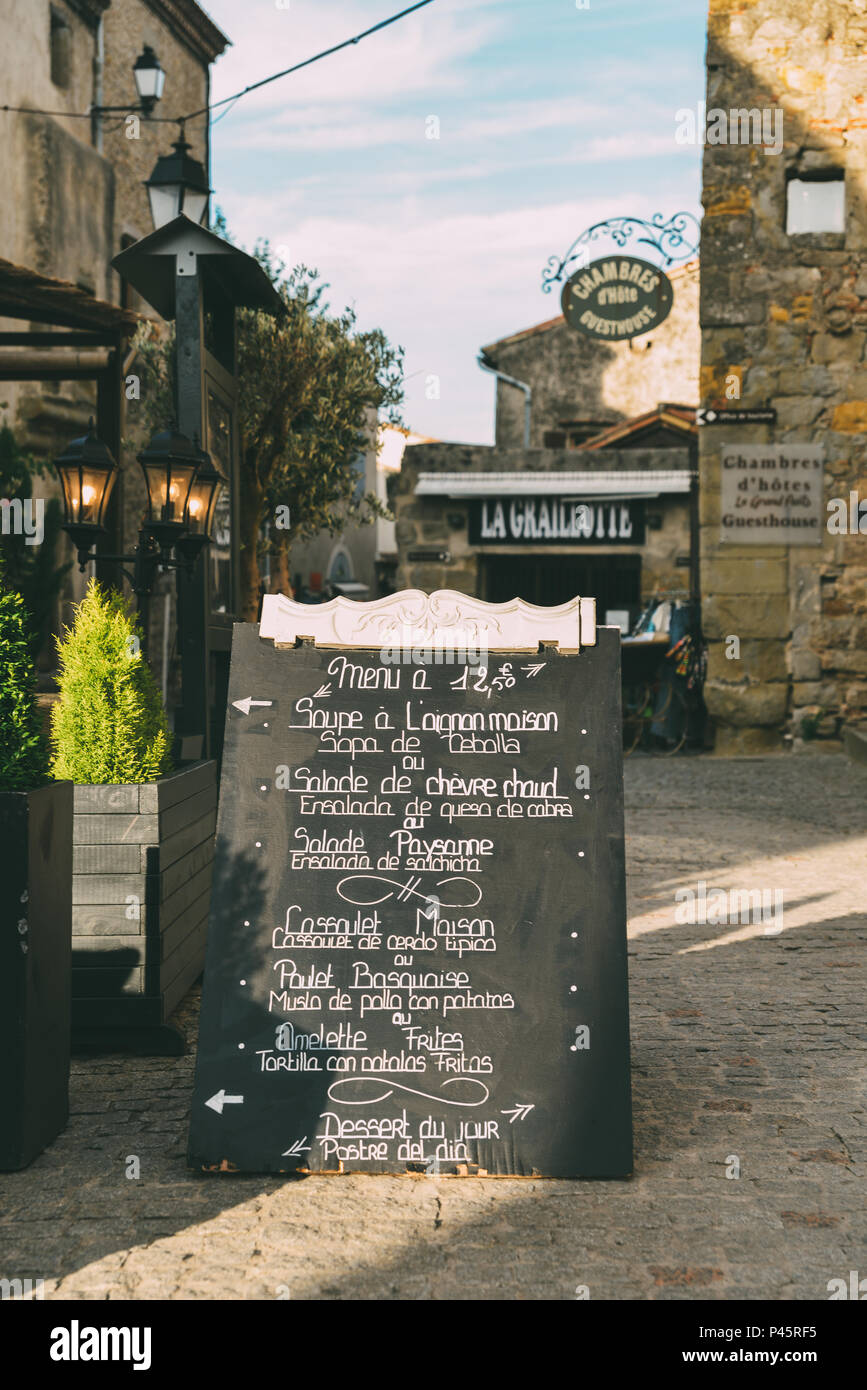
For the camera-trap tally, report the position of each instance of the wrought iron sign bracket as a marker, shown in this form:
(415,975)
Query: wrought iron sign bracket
(673,239)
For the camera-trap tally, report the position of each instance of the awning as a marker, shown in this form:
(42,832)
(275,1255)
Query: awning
(25,294)
(612,485)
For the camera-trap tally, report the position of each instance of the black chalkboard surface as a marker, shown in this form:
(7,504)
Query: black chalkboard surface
(417,950)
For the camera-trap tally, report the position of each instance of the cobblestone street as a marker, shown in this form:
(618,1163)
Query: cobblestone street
(749,1049)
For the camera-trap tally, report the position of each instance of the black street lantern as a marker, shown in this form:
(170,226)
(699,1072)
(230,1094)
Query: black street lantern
(182,488)
(204,495)
(149,79)
(87,476)
(178,185)
(201,506)
(169,463)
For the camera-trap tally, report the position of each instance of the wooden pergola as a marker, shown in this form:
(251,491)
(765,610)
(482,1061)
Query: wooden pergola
(70,336)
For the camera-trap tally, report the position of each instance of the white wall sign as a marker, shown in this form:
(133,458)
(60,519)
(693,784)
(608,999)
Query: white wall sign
(772,494)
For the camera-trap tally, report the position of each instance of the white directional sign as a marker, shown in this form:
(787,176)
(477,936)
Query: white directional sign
(766,415)
(220,1099)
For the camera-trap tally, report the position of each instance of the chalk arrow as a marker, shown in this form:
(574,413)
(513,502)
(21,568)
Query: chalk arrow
(244,705)
(323,690)
(520,1112)
(531,672)
(299,1147)
(220,1099)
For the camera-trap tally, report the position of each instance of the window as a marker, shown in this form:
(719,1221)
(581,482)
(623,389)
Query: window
(554,439)
(816,205)
(572,433)
(577,437)
(341,568)
(60,49)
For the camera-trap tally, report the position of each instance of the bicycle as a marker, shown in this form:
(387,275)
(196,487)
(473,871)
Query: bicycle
(640,712)
(640,701)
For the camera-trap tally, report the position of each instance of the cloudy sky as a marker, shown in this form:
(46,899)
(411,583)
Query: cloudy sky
(550,116)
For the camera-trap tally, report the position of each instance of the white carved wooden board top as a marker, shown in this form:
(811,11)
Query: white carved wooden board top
(412,618)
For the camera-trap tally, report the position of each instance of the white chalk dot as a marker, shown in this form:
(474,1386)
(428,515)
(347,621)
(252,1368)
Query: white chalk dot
(586,795)
(573,1048)
(573,934)
(246,924)
(580,854)
(242,982)
(241,1046)
(573,989)
(583,731)
(263,788)
(264,726)
(258,844)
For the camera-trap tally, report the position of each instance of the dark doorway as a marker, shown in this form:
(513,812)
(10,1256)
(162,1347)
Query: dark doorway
(613,580)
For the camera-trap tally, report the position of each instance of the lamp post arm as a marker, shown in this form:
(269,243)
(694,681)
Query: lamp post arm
(85,557)
(144,559)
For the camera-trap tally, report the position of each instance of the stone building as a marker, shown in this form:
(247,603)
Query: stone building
(503,521)
(74,185)
(579,385)
(74,197)
(784,315)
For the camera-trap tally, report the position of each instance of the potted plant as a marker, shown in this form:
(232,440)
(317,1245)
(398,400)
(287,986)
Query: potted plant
(35,909)
(143,834)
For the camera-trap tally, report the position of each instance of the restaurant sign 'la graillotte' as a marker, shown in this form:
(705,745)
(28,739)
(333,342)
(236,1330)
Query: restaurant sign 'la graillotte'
(535,520)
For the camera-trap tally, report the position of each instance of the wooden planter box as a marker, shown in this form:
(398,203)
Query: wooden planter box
(35,922)
(141,890)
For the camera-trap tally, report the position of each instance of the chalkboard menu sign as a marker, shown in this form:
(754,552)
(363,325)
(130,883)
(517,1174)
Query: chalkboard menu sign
(417,950)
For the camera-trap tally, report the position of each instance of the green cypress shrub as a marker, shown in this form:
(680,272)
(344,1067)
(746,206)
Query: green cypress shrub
(23,754)
(109,725)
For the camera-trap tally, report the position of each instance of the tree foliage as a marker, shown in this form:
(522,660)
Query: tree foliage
(23,753)
(308,383)
(108,725)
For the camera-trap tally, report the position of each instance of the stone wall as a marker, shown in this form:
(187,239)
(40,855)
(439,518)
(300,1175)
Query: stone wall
(431,522)
(788,316)
(574,377)
(58,194)
(74,190)
(129,24)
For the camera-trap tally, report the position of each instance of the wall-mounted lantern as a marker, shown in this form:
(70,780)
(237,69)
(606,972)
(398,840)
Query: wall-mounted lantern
(149,79)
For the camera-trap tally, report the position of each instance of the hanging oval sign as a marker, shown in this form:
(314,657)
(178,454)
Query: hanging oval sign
(617,297)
